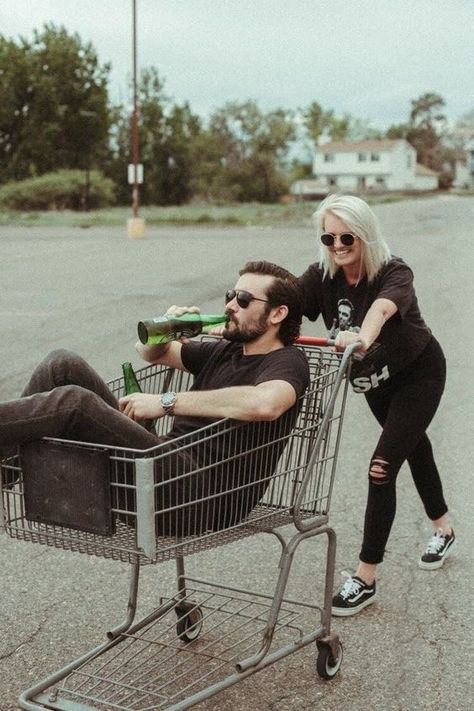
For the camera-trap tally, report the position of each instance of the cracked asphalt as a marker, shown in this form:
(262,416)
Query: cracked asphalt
(86,289)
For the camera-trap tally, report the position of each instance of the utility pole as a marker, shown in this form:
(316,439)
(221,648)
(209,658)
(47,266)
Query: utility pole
(135,139)
(135,225)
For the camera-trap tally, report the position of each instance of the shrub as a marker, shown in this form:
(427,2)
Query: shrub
(64,189)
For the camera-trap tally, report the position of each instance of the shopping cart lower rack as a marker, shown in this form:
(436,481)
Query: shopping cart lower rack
(147,507)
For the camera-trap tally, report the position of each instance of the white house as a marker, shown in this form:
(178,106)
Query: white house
(464,161)
(371,165)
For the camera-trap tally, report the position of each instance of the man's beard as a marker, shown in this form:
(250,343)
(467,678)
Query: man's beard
(242,334)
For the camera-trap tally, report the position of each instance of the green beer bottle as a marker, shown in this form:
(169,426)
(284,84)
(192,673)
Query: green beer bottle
(131,385)
(170,328)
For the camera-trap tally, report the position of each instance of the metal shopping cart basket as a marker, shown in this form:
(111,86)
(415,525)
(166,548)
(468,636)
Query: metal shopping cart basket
(116,503)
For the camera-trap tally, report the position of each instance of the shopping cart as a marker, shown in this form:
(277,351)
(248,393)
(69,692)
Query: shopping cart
(116,503)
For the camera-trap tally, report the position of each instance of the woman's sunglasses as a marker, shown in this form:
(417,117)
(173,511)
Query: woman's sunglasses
(346,239)
(243,298)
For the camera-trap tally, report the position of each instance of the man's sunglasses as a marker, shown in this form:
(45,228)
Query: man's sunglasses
(346,239)
(243,298)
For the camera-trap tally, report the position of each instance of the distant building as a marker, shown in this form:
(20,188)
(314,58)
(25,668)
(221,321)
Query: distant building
(308,189)
(372,165)
(463,158)
(425,178)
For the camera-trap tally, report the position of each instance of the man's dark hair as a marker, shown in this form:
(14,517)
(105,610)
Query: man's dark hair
(284,290)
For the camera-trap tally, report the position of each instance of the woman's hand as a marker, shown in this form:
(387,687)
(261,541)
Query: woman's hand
(347,338)
(141,406)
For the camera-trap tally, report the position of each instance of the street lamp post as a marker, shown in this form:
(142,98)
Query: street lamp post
(135,139)
(135,225)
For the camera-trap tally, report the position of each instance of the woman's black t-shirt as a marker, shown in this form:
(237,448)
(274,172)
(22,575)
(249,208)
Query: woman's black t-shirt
(343,307)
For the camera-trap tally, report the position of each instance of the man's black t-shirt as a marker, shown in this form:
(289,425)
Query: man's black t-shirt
(233,465)
(342,306)
(223,364)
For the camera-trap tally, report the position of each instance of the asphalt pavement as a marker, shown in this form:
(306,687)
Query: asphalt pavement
(86,289)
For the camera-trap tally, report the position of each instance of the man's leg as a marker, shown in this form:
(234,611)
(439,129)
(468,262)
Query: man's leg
(62,367)
(66,398)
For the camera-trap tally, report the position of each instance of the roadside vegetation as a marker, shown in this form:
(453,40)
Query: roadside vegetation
(65,147)
(295,214)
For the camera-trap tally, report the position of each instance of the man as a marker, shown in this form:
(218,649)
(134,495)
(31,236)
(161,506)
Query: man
(253,375)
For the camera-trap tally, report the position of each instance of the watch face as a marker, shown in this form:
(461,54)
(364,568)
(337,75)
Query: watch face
(168,399)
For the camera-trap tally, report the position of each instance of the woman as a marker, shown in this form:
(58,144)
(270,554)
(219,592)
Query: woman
(364,294)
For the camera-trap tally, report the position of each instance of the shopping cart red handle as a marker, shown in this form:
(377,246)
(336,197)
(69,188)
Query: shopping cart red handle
(314,341)
(328,342)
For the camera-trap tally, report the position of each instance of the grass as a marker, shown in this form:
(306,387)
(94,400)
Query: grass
(218,215)
(295,214)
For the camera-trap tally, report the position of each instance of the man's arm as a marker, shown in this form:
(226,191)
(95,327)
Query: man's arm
(168,354)
(266,401)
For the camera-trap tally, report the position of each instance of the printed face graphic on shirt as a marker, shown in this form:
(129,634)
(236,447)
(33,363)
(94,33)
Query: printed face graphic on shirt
(345,311)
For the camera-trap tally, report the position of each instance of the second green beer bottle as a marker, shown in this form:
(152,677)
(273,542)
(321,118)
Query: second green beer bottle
(170,328)
(131,385)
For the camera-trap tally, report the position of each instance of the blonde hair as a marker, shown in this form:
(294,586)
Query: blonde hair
(360,220)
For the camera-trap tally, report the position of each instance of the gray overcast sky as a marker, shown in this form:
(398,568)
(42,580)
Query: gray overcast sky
(365,57)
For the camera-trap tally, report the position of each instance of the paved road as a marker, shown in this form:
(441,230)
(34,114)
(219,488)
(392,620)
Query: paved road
(86,289)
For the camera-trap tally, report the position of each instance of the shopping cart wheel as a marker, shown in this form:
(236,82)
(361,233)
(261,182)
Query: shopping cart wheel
(189,625)
(327,666)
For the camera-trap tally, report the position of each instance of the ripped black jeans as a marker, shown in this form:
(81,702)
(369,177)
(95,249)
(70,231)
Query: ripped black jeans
(404,407)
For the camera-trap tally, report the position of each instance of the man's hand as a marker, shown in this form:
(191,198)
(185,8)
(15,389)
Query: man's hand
(180,310)
(216,331)
(141,406)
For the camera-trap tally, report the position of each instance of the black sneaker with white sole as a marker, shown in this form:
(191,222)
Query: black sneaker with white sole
(353,597)
(438,549)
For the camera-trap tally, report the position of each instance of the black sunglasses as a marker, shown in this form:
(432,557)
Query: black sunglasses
(243,298)
(346,239)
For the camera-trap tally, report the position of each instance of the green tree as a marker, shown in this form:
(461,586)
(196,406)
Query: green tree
(426,111)
(318,121)
(249,151)
(466,121)
(426,131)
(361,130)
(397,130)
(208,172)
(183,128)
(426,126)
(15,90)
(56,113)
(167,132)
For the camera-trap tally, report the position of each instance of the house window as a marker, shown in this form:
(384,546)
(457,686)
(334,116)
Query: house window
(374,157)
(361,157)
(380,181)
(329,157)
(332,182)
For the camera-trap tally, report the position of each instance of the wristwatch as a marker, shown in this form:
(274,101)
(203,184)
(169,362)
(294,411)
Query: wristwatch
(168,401)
